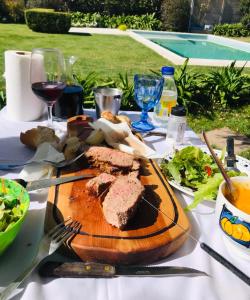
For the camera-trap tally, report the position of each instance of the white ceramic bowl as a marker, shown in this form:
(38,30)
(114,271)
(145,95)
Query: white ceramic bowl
(234,223)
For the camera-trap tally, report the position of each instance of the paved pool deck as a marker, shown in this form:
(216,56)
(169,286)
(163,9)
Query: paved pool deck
(169,55)
(88,30)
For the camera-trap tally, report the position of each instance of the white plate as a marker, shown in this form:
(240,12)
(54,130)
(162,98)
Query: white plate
(242,164)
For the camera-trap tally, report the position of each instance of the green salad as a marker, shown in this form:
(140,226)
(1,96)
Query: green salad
(11,210)
(192,168)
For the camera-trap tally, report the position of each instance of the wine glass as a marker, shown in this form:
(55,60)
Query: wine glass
(47,76)
(148,89)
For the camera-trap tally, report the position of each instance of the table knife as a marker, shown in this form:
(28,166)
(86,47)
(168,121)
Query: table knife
(90,269)
(231,158)
(45,183)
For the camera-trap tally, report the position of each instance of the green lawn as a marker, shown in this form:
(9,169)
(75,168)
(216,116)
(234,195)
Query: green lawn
(105,54)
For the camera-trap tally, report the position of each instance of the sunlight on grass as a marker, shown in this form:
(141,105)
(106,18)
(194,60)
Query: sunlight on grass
(107,55)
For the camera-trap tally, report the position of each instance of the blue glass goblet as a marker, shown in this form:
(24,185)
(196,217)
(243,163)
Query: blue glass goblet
(148,89)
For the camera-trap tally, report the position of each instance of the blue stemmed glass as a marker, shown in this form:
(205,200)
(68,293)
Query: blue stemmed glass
(148,89)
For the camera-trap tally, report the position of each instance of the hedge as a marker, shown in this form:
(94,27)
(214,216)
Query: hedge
(234,30)
(116,7)
(144,22)
(47,20)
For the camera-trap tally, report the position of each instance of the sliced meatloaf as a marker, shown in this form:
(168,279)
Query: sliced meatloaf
(97,185)
(120,204)
(111,160)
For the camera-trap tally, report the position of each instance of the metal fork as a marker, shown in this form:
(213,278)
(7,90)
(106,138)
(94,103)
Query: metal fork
(48,245)
(61,164)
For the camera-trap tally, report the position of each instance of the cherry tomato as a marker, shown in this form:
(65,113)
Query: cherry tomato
(208,170)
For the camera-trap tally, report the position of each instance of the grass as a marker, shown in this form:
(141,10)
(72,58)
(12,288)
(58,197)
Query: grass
(244,39)
(237,119)
(107,55)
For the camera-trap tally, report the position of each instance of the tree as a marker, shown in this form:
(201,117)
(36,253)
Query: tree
(244,7)
(175,14)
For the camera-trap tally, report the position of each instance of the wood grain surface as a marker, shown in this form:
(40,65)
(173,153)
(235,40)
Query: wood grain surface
(150,235)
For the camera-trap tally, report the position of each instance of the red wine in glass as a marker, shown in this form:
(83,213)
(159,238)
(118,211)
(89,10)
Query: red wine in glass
(48,91)
(47,76)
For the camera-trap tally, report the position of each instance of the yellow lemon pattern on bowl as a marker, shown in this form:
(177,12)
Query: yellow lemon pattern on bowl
(235,228)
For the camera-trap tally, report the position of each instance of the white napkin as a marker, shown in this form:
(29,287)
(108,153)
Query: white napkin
(120,136)
(36,171)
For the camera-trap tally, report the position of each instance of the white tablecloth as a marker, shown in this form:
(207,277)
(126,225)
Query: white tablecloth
(221,284)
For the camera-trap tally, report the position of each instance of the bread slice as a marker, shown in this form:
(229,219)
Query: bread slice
(36,136)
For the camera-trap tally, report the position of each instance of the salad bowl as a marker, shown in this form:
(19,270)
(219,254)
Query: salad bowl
(14,204)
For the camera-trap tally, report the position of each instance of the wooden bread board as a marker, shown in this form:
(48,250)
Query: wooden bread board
(150,236)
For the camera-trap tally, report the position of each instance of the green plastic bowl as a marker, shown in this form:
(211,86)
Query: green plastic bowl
(13,188)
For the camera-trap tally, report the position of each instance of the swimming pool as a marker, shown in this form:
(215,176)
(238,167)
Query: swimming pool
(201,49)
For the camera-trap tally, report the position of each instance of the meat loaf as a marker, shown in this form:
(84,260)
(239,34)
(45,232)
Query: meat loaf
(100,183)
(111,160)
(120,204)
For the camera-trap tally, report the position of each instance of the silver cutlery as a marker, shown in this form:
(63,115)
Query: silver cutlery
(61,164)
(48,245)
(231,158)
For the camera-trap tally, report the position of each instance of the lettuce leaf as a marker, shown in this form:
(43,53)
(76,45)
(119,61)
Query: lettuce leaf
(209,190)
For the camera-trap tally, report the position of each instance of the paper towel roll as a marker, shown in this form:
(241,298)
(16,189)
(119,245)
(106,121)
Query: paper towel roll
(22,104)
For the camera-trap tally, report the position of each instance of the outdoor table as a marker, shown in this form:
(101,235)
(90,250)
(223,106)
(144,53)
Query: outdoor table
(220,284)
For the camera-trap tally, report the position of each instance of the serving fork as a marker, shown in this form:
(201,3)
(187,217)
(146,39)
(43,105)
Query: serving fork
(48,245)
(61,164)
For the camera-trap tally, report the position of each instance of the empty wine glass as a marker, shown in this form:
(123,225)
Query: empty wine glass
(47,76)
(148,89)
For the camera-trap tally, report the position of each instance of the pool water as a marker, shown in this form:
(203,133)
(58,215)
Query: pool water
(202,49)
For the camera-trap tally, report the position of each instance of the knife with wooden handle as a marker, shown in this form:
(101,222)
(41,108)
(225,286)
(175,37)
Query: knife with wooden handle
(90,269)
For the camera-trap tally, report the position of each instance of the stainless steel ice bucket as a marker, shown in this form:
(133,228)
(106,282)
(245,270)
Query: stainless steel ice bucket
(107,99)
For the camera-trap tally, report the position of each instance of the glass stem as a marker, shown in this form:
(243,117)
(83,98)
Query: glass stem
(144,116)
(50,120)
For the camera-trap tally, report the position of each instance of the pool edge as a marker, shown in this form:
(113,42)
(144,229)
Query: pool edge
(179,60)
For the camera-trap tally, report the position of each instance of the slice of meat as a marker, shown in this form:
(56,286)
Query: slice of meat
(120,204)
(136,165)
(100,183)
(111,160)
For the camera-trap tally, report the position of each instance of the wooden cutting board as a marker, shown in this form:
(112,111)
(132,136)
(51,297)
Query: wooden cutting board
(150,236)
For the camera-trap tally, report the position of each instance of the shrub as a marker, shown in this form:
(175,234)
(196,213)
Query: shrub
(116,7)
(93,80)
(12,11)
(237,29)
(227,86)
(122,27)
(244,7)
(246,22)
(47,20)
(3,12)
(79,19)
(59,5)
(147,22)
(175,14)
(191,93)
(2,98)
